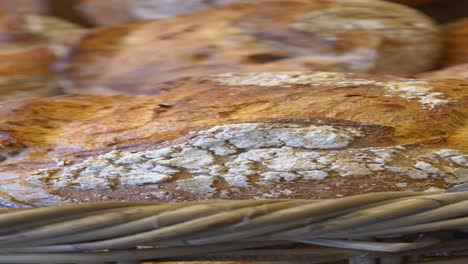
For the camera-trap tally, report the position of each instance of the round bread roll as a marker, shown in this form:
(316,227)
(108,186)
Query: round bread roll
(311,135)
(457,41)
(365,36)
(454,72)
(29,47)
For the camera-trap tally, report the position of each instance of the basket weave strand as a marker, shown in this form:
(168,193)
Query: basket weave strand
(376,225)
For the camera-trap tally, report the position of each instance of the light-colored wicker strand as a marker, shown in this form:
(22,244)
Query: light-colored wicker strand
(379,225)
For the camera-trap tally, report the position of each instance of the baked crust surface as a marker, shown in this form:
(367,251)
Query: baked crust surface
(238,136)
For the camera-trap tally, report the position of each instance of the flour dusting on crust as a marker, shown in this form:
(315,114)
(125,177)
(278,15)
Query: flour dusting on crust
(250,155)
(405,88)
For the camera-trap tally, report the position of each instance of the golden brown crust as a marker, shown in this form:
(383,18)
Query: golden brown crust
(244,136)
(456,39)
(270,35)
(29,48)
(24,62)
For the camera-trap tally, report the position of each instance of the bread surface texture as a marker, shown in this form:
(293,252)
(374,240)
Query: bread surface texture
(265,135)
(30,46)
(365,36)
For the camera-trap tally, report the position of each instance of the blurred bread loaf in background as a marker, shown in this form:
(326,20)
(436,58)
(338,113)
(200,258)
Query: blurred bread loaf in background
(99,13)
(454,63)
(364,36)
(456,36)
(30,45)
(124,11)
(453,72)
(209,37)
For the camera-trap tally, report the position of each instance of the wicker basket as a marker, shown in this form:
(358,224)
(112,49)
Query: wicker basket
(392,227)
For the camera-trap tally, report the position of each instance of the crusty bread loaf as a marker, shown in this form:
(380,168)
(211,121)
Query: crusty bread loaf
(124,11)
(29,47)
(269,35)
(238,136)
(455,61)
(457,43)
(105,13)
(26,73)
(454,72)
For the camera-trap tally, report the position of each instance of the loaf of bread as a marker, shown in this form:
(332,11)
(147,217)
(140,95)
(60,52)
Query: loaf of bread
(29,47)
(124,11)
(457,43)
(454,72)
(365,36)
(455,61)
(105,13)
(238,136)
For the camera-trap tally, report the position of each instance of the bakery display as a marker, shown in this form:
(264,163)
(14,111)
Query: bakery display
(239,136)
(29,48)
(242,131)
(353,36)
